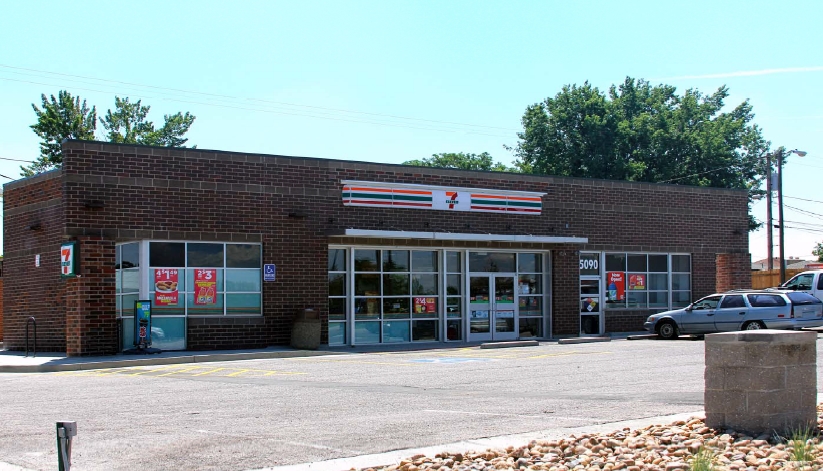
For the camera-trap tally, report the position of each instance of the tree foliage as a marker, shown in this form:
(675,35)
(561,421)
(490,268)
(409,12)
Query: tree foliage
(64,117)
(818,251)
(640,132)
(127,124)
(462,161)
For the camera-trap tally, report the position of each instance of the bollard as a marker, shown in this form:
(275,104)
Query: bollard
(66,430)
(762,381)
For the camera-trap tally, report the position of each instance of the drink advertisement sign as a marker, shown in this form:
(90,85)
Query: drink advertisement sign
(616,281)
(637,281)
(142,323)
(205,284)
(425,305)
(165,286)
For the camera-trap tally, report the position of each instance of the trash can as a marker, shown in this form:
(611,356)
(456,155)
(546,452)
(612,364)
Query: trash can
(305,331)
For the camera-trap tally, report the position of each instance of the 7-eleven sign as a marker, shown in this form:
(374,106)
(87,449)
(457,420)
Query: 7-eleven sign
(68,259)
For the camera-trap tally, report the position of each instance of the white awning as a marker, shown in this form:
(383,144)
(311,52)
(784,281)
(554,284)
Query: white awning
(520,238)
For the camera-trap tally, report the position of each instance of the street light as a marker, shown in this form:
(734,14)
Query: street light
(779,154)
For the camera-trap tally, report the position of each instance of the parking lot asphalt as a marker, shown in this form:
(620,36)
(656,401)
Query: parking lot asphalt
(282,409)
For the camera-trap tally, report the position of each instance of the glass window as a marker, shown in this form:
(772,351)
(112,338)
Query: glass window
(337,259)
(366,284)
(243,303)
(615,262)
(394,285)
(454,284)
(424,261)
(337,333)
(681,263)
(396,308)
(424,284)
(395,331)
(367,332)
(337,309)
(530,263)
(681,282)
(130,257)
(167,254)
(337,284)
(243,280)
(658,282)
(424,331)
(530,284)
(395,260)
(491,262)
(637,262)
(243,256)
(205,255)
(453,262)
(658,263)
(366,260)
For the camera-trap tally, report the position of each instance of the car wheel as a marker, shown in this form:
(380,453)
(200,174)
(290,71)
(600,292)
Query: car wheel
(753,325)
(667,330)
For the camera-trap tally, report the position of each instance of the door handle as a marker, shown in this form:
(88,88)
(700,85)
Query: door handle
(742,313)
(710,315)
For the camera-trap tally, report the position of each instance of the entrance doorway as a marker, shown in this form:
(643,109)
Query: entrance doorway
(492,307)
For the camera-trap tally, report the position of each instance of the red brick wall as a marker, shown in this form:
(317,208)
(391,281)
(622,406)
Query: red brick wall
(33,225)
(1,309)
(178,194)
(734,271)
(91,320)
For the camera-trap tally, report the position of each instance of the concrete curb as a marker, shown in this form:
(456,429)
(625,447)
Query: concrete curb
(575,340)
(481,444)
(80,365)
(516,343)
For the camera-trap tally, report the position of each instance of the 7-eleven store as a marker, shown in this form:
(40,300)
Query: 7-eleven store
(226,248)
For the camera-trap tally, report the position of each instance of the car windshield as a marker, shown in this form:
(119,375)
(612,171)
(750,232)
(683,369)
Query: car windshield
(803,299)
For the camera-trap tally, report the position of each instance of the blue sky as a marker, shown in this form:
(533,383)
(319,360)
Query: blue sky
(389,81)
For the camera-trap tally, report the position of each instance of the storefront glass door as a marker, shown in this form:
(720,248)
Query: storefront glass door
(492,307)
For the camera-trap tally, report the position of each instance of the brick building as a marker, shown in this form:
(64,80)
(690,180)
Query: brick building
(385,253)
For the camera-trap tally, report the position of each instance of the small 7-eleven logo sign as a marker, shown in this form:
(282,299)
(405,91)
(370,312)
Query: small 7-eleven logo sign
(67,252)
(451,199)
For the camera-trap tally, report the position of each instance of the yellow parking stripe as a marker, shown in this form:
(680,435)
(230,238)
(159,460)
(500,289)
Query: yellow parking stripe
(181,371)
(240,372)
(215,370)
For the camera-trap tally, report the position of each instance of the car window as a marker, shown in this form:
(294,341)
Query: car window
(803,299)
(801,282)
(820,282)
(766,300)
(707,303)
(733,301)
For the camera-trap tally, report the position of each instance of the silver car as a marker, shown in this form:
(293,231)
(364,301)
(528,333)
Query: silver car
(739,310)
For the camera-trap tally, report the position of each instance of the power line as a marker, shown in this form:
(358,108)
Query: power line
(319,109)
(802,199)
(16,160)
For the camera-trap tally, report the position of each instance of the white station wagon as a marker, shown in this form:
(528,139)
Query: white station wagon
(739,310)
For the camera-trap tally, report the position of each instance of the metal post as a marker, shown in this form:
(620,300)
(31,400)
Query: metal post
(769,223)
(65,432)
(780,215)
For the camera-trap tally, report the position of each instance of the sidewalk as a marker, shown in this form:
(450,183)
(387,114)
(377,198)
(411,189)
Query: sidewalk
(17,362)
(46,362)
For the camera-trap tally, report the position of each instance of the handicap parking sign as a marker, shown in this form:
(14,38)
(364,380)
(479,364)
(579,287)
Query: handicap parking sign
(269,272)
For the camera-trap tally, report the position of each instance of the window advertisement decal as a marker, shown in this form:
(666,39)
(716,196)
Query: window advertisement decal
(637,282)
(616,282)
(205,284)
(165,286)
(425,305)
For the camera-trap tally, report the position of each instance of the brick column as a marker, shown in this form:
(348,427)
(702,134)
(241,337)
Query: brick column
(733,271)
(761,381)
(91,320)
(565,291)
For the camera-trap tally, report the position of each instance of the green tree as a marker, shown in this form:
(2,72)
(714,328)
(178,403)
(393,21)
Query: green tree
(818,251)
(64,117)
(640,132)
(127,124)
(463,161)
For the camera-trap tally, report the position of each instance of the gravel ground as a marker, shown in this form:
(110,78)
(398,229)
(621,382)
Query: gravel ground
(666,448)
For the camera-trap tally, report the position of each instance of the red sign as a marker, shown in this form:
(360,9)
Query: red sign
(616,282)
(637,281)
(165,286)
(425,305)
(205,282)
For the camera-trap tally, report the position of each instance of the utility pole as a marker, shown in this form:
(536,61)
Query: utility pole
(769,239)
